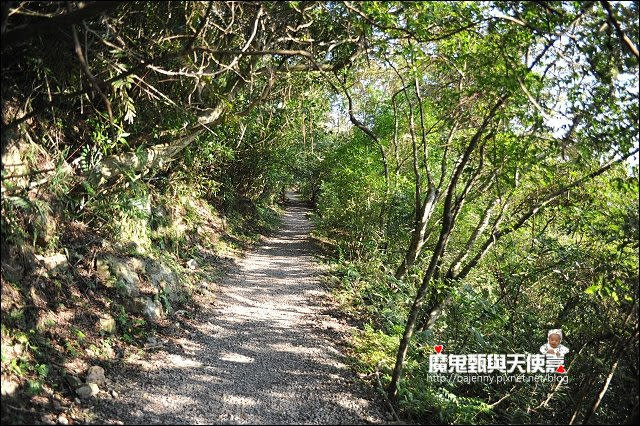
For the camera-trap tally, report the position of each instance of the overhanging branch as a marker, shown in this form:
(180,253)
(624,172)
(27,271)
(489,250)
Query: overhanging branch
(46,25)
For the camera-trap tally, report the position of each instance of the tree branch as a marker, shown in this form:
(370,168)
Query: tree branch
(45,25)
(495,236)
(621,35)
(87,71)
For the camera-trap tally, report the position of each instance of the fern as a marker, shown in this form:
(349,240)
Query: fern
(90,157)
(20,202)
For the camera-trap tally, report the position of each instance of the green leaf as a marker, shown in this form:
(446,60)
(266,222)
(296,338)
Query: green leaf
(592,289)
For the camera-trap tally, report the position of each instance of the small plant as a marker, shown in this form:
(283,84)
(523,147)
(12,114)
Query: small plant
(164,299)
(71,348)
(80,335)
(104,349)
(42,370)
(123,318)
(34,387)
(19,366)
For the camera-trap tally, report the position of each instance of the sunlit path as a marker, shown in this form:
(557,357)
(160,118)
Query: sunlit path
(263,354)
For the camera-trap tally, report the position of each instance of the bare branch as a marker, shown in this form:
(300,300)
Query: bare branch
(87,71)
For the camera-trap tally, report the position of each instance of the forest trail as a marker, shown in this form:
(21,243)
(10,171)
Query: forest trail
(265,352)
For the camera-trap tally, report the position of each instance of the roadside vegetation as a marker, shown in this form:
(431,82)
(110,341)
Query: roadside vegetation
(473,169)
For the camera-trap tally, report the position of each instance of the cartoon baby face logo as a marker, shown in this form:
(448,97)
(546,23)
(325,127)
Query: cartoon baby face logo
(553,345)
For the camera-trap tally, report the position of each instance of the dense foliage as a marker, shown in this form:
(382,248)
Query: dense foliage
(473,166)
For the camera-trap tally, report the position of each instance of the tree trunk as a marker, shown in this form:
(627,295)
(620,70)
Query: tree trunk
(419,230)
(603,390)
(583,393)
(447,225)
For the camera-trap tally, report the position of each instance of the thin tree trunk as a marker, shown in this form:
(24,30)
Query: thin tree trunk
(603,390)
(557,384)
(417,237)
(395,133)
(304,131)
(447,223)
(422,217)
(583,393)
(437,310)
(482,225)
(383,156)
(622,344)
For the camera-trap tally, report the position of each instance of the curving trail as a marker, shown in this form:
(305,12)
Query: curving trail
(266,352)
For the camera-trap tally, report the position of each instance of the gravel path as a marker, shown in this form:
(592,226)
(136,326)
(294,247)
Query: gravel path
(266,352)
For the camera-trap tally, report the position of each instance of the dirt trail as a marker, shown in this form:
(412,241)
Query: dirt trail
(265,353)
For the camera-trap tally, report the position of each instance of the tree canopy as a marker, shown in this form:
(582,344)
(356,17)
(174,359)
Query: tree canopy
(472,165)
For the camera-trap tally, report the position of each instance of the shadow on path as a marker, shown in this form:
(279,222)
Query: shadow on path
(262,355)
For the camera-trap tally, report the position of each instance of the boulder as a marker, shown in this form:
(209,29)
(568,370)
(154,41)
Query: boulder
(8,387)
(45,227)
(17,170)
(22,257)
(73,381)
(150,309)
(103,272)
(55,263)
(48,419)
(88,390)
(95,375)
(163,278)
(126,274)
